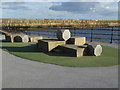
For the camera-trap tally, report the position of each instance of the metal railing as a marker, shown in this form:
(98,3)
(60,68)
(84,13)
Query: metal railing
(110,34)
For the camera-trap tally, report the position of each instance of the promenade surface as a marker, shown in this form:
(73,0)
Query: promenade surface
(22,73)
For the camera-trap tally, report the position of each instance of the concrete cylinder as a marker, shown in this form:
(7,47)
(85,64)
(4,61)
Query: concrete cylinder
(21,38)
(25,38)
(17,39)
(63,34)
(94,49)
(2,37)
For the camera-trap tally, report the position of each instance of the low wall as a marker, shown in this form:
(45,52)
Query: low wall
(57,23)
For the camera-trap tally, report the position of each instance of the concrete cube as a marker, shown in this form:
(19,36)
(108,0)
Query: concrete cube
(73,50)
(49,44)
(35,38)
(77,40)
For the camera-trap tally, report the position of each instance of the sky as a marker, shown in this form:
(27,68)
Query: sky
(60,10)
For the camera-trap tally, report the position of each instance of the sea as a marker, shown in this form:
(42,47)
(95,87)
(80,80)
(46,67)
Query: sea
(96,34)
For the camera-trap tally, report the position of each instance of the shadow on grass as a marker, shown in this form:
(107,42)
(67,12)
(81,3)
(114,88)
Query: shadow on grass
(30,49)
(3,41)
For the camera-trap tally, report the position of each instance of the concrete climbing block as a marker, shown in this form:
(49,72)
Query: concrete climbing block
(35,38)
(63,34)
(73,50)
(49,44)
(77,40)
(94,49)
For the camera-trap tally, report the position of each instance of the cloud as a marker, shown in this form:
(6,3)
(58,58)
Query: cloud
(14,5)
(107,9)
(98,8)
(107,12)
(60,10)
(94,1)
(60,0)
(75,7)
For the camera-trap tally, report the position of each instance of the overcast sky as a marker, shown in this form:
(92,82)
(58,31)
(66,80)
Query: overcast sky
(60,10)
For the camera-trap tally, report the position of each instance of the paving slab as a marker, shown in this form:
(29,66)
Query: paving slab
(22,73)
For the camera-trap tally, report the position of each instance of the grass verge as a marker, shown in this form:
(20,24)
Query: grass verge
(29,51)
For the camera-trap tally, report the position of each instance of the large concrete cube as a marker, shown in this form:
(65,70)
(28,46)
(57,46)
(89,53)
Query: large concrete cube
(94,49)
(77,40)
(63,34)
(73,50)
(35,38)
(49,44)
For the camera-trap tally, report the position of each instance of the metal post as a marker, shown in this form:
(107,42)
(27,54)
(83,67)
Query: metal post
(74,31)
(91,34)
(15,29)
(38,34)
(112,35)
(29,33)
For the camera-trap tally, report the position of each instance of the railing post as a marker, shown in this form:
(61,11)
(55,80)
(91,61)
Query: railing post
(111,35)
(91,34)
(38,34)
(74,31)
(29,33)
(24,32)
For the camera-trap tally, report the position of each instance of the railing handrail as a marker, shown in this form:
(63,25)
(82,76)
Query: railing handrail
(91,33)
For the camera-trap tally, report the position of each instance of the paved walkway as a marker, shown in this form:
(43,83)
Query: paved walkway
(22,73)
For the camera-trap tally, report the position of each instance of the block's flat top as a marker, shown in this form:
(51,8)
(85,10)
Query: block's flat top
(76,47)
(77,37)
(51,40)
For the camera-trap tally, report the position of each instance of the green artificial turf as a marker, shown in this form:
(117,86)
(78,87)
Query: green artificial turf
(30,51)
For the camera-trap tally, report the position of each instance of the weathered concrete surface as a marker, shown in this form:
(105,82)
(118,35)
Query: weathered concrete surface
(94,49)
(35,38)
(63,34)
(113,45)
(49,44)
(2,37)
(73,50)
(77,40)
(22,73)
(17,38)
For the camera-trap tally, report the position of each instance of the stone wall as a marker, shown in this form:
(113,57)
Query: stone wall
(58,23)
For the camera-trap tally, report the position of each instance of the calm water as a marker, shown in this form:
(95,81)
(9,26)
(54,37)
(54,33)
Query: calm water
(106,34)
